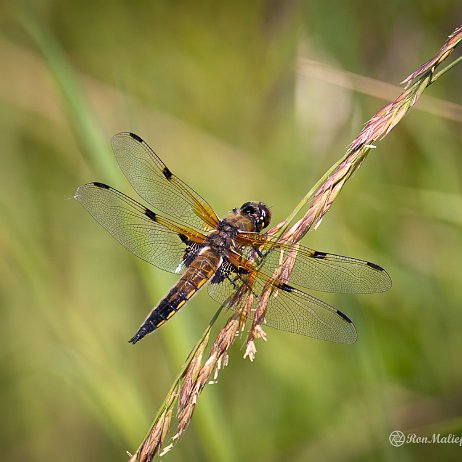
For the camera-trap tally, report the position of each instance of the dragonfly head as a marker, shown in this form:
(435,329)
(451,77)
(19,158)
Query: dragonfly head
(259,213)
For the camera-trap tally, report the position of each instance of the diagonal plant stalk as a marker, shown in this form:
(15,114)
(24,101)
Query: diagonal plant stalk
(193,376)
(156,435)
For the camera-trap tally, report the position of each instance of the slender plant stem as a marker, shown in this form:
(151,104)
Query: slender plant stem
(173,391)
(446,69)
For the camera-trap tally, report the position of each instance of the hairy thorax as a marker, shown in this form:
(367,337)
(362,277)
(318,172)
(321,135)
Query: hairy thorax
(222,238)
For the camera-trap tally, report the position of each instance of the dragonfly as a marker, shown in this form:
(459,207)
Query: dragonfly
(180,233)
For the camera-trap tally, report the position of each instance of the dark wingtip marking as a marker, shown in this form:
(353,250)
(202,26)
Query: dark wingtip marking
(135,137)
(344,316)
(100,185)
(167,173)
(373,265)
(286,287)
(183,238)
(319,254)
(150,214)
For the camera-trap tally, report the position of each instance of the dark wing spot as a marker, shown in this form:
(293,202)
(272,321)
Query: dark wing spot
(100,185)
(344,316)
(150,214)
(167,173)
(319,254)
(220,275)
(286,287)
(373,265)
(136,137)
(184,238)
(190,253)
(224,272)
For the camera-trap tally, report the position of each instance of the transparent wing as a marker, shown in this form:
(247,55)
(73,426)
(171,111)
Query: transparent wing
(158,240)
(301,313)
(156,184)
(288,309)
(319,270)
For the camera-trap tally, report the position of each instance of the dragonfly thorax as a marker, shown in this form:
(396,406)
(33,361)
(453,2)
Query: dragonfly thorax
(222,238)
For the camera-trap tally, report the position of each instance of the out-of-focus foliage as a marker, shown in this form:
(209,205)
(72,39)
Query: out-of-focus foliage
(234,100)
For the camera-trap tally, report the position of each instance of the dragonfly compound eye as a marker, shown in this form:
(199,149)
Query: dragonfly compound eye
(264,214)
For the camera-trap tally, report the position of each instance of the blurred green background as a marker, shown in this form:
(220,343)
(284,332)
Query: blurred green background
(242,100)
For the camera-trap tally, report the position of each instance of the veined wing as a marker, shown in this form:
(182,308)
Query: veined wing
(318,270)
(157,185)
(160,241)
(288,309)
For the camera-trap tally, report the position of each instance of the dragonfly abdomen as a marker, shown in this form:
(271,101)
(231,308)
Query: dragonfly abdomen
(201,269)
